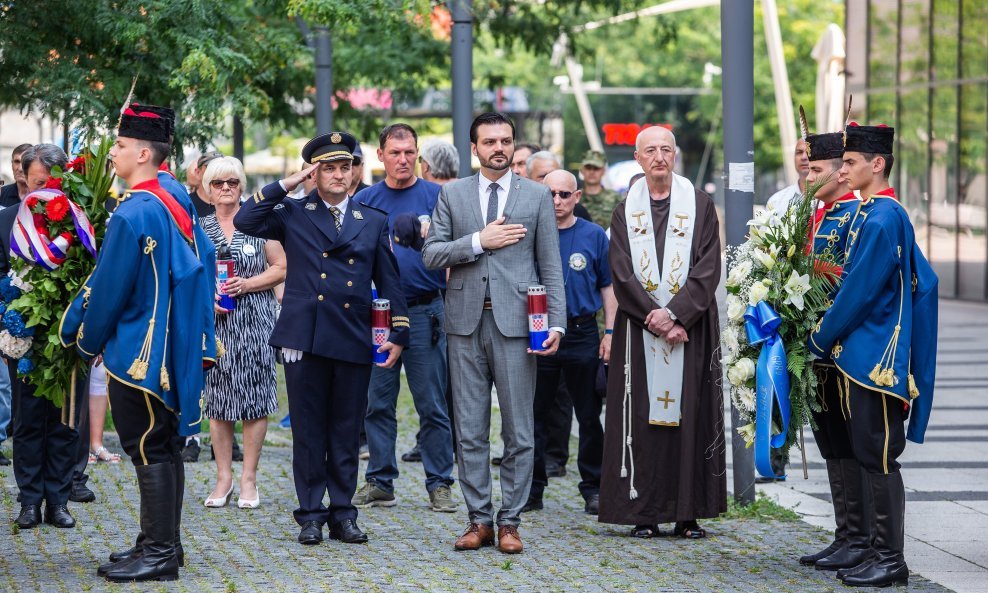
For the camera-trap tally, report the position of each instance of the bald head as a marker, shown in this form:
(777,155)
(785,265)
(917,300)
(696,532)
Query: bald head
(560,179)
(653,133)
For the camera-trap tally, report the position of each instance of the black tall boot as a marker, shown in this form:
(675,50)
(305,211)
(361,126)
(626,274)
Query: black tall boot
(889,565)
(179,498)
(836,476)
(157,561)
(857,546)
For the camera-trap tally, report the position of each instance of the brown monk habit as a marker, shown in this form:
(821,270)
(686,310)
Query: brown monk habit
(679,472)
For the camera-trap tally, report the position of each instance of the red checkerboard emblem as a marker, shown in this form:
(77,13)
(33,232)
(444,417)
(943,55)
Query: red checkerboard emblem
(380,336)
(538,322)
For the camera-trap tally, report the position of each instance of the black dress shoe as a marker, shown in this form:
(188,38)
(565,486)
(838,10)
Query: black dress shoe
(592,507)
(412,455)
(58,515)
(533,504)
(3,459)
(30,516)
(81,493)
(347,532)
(190,452)
(311,533)
(496,460)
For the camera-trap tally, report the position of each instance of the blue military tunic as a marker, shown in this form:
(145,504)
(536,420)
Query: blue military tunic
(881,329)
(147,306)
(830,235)
(326,307)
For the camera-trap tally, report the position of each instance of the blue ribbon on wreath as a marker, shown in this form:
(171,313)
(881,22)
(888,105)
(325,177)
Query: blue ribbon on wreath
(761,324)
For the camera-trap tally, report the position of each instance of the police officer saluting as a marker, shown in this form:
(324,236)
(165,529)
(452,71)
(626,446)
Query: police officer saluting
(335,247)
(881,333)
(587,278)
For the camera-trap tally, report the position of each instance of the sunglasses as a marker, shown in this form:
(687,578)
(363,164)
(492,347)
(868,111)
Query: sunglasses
(562,194)
(218,183)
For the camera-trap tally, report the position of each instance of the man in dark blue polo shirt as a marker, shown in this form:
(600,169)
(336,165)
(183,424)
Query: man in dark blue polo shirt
(587,277)
(409,202)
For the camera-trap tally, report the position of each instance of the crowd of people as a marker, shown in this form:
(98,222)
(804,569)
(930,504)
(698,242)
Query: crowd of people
(631,314)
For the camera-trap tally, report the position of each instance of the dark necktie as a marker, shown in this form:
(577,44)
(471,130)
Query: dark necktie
(492,204)
(337,218)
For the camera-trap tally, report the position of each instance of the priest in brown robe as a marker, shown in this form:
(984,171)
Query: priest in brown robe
(664,440)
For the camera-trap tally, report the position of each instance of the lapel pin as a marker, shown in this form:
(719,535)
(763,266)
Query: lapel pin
(358,214)
(310,206)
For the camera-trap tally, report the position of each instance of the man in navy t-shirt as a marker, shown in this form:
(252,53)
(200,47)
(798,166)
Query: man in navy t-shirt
(587,278)
(409,201)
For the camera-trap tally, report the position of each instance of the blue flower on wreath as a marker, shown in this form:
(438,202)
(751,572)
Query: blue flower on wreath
(3,308)
(14,322)
(8,292)
(24,366)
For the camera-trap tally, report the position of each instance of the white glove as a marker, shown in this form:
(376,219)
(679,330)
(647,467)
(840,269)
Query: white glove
(291,355)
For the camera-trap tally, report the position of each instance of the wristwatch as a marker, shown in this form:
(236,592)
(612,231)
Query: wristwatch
(671,314)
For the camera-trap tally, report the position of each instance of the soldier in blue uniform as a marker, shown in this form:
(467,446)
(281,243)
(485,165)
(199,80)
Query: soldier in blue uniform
(335,247)
(881,333)
(832,220)
(148,299)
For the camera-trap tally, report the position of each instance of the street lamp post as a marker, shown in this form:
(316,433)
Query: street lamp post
(462,74)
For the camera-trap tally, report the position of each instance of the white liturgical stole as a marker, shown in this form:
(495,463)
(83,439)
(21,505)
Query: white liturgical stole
(663,362)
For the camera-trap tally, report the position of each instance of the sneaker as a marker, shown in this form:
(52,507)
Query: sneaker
(190,452)
(364,452)
(3,459)
(370,495)
(442,500)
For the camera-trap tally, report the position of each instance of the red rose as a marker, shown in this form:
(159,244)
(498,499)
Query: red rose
(57,208)
(54,184)
(32,202)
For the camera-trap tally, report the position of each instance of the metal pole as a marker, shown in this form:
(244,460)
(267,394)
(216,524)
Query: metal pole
(324,81)
(462,74)
(737,28)
(238,138)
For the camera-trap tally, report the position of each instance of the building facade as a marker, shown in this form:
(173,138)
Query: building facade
(922,67)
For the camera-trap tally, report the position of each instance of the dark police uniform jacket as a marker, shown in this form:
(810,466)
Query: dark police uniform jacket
(881,330)
(327,302)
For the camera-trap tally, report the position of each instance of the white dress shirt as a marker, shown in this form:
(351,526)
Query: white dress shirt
(504,183)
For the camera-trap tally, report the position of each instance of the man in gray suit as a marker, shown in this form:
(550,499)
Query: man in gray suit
(496,232)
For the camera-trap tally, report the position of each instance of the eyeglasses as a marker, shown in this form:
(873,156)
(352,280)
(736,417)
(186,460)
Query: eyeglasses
(218,183)
(563,195)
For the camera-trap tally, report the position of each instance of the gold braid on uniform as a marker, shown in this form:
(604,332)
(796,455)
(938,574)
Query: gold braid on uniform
(883,374)
(400,321)
(139,368)
(163,376)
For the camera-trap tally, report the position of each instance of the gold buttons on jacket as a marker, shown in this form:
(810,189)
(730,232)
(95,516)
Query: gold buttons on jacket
(323,275)
(349,283)
(351,261)
(320,297)
(346,305)
(325,254)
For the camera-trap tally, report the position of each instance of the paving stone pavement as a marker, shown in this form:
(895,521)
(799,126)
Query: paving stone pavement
(232,550)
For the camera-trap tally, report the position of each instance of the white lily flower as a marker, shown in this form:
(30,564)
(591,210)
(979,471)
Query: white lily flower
(796,287)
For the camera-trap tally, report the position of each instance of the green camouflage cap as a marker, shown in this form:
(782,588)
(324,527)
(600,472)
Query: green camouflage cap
(594,158)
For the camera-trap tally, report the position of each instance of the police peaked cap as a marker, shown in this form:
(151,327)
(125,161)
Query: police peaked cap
(335,146)
(146,122)
(869,139)
(822,147)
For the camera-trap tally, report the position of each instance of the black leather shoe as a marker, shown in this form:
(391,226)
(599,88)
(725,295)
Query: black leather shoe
(81,493)
(555,471)
(496,460)
(190,451)
(347,532)
(533,504)
(3,459)
(412,455)
(29,517)
(311,533)
(592,507)
(58,515)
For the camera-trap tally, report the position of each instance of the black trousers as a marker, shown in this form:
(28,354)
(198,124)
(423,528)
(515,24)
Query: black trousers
(831,433)
(876,423)
(576,364)
(45,448)
(82,426)
(147,429)
(327,399)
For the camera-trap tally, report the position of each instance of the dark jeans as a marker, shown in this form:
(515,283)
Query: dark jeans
(576,364)
(425,370)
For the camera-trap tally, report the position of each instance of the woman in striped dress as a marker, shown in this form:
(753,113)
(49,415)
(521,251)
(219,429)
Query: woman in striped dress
(243,384)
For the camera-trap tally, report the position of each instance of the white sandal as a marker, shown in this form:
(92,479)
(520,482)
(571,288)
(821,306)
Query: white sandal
(99,455)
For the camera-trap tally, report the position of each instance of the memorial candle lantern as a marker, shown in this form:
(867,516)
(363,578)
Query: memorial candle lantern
(380,327)
(538,318)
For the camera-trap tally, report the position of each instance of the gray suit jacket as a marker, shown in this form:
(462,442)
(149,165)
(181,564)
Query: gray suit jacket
(510,270)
